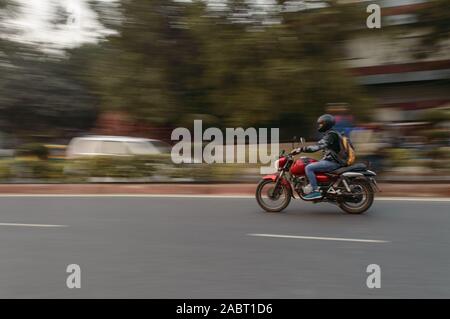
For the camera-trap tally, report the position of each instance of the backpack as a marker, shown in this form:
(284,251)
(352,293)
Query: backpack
(346,155)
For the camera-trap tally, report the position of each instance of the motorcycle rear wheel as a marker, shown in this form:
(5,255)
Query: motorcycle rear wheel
(265,187)
(364,190)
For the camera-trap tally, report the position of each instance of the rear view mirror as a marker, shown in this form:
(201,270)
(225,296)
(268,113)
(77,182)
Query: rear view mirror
(294,139)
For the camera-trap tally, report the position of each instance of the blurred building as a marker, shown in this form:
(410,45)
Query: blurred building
(386,61)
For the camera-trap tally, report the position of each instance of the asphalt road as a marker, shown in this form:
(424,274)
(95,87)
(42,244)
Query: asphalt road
(201,248)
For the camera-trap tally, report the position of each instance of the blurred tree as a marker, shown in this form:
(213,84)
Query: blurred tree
(233,64)
(130,71)
(42,96)
(256,73)
(39,94)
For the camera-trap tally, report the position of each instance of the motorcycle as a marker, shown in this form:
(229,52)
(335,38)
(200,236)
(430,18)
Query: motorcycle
(351,187)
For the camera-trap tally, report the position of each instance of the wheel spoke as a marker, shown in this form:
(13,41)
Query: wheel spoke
(272,199)
(361,198)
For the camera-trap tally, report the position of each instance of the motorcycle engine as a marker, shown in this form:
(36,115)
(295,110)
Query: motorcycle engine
(307,189)
(302,186)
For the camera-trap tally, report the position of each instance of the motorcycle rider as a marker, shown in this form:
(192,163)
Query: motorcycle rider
(329,144)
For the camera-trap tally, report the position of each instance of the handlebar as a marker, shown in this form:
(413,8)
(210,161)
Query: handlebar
(291,153)
(295,152)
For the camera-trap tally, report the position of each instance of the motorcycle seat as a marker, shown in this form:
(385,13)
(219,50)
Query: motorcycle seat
(352,168)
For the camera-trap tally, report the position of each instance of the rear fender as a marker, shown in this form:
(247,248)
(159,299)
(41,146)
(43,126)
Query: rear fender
(352,174)
(369,173)
(367,176)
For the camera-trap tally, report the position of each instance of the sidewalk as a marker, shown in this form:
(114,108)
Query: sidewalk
(387,189)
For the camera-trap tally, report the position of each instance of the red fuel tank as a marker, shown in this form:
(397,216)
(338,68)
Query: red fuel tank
(298,169)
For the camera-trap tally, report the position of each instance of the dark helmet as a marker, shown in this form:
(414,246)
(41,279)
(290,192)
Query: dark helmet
(325,122)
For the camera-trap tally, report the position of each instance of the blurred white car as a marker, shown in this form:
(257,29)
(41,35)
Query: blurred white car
(115,146)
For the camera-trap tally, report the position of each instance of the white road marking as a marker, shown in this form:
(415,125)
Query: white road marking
(31,225)
(321,238)
(407,199)
(415,199)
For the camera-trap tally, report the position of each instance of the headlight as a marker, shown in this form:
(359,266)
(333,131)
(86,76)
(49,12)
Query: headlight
(277,164)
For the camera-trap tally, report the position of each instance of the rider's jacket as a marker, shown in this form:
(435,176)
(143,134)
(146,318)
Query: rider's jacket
(329,144)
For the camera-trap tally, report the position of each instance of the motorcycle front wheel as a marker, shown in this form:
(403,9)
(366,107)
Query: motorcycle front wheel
(271,200)
(363,194)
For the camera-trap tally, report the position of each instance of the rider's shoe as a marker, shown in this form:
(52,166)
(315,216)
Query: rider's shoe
(316,194)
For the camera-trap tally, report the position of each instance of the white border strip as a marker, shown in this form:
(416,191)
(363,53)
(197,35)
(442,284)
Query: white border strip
(415,199)
(321,238)
(31,225)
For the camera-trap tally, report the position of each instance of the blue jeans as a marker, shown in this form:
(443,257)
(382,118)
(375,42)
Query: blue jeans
(319,167)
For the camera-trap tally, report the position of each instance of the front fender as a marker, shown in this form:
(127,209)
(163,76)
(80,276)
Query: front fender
(272,177)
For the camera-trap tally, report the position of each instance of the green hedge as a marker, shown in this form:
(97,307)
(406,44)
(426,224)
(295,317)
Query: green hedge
(84,169)
(117,167)
(34,169)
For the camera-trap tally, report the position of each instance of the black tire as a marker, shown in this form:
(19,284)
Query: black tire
(367,202)
(284,192)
